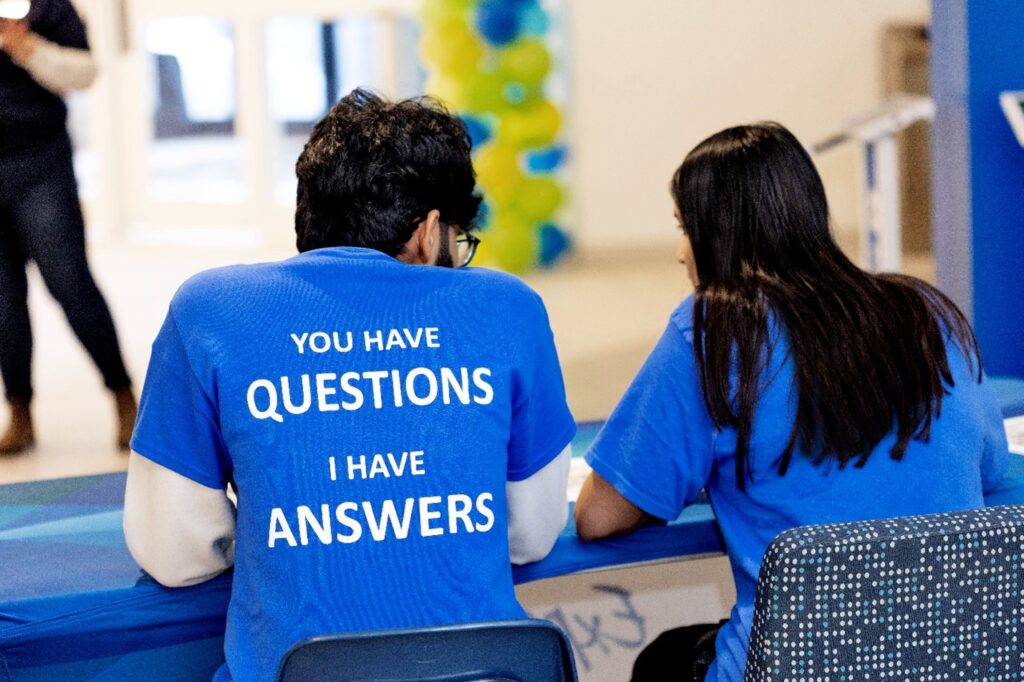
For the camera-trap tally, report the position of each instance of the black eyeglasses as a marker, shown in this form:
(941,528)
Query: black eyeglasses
(466,244)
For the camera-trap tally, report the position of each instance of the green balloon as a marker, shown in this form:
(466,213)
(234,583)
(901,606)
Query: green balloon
(520,96)
(514,243)
(526,61)
(537,199)
(485,93)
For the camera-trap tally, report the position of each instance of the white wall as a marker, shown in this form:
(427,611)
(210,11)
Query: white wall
(652,78)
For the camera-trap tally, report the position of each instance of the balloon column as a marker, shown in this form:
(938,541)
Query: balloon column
(488,61)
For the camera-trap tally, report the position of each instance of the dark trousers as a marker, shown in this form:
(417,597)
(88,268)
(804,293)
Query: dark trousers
(42,222)
(683,654)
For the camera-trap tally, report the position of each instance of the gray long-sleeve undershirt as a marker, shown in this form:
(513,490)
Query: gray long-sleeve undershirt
(183,533)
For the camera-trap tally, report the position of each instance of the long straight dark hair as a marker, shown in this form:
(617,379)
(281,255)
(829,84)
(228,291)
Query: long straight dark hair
(869,350)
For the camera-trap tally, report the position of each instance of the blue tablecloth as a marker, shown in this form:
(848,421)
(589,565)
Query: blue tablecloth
(73,604)
(1010,393)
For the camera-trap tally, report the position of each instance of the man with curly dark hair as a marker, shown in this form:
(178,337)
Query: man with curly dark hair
(394,424)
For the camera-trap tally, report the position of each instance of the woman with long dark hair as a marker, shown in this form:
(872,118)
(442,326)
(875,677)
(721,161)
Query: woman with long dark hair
(792,386)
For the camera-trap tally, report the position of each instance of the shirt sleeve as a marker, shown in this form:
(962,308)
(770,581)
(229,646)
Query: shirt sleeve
(180,532)
(178,424)
(541,422)
(656,448)
(58,22)
(995,459)
(538,509)
(61,69)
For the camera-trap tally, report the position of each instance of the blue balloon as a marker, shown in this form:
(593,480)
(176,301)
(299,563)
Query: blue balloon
(497,21)
(533,20)
(483,216)
(546,160)
(515,93)
(479,131)
(554,243)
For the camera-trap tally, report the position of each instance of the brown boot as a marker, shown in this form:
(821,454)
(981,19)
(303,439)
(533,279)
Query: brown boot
(127,408)
(19,435)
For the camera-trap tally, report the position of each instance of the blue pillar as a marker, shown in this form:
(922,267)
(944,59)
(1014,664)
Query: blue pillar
(978,52)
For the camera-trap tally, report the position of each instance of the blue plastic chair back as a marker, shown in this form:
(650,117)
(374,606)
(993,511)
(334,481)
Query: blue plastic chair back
(505,651)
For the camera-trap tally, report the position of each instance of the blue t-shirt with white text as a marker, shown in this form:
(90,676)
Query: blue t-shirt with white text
(660,448)
(370,414)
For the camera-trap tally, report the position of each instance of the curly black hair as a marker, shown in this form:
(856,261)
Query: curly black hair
(372,170)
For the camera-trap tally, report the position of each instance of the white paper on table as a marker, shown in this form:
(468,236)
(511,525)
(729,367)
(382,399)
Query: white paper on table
(1015,434)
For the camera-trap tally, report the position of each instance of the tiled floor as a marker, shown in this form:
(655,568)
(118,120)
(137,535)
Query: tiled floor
(607,310)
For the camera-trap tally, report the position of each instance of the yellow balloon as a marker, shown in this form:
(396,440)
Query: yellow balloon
(537,199)
(497,169)
(526,61)
(501,189)
(513,243)
(439,10)
(452,47)
(448,90)
(535,125)
(485,254)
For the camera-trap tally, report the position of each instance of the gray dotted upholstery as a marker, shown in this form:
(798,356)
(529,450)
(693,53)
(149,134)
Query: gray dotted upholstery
(937,597)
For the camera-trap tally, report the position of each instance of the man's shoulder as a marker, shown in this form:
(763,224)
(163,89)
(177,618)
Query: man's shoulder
(223,285)
(501,288)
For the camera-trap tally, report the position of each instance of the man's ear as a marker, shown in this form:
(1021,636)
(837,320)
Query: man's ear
(422,248)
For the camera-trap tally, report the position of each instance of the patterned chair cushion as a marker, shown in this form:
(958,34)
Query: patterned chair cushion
(938,597)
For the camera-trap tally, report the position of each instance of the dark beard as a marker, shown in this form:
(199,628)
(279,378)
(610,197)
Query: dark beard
(444,254)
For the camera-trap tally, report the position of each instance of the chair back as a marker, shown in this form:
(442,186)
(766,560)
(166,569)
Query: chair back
(937,597)
(505,651)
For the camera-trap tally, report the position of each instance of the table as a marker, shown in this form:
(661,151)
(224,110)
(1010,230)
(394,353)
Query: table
(74,605)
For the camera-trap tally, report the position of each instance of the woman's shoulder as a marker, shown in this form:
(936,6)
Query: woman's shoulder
(681,318)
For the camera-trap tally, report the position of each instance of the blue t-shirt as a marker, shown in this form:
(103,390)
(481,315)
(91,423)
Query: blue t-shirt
(660,448)
(369,413)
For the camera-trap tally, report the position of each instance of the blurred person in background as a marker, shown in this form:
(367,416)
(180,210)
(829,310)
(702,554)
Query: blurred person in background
(42,57)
